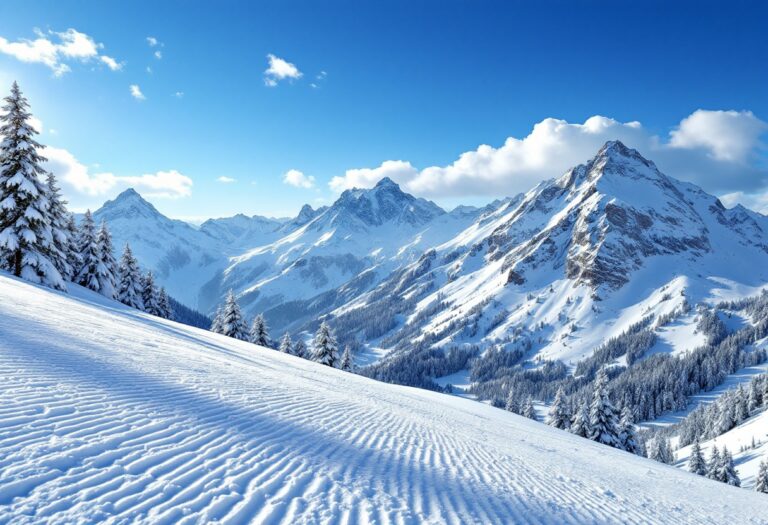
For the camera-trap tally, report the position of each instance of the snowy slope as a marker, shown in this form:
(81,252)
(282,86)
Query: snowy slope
(109,415)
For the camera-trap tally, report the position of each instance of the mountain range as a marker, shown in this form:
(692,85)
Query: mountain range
(571,263)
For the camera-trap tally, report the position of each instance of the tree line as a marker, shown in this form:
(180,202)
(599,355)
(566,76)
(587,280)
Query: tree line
(229,321)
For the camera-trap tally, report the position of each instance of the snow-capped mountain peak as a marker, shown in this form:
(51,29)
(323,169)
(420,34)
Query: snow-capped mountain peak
(129,205)
(384,203)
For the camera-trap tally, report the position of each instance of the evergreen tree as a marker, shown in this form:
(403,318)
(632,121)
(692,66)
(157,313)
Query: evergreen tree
(129,280)
(346,360)
(761,481)
(216,322)
(259,332)
(300,349)
(232,322)
(58,218)
(528,409)
(580,424)
(755,394)
(696,463)
(660,450)
(26,238)
(286,345)
(602,415)
(325,346)
(714,463)
(559,415)
(107,254)
(73,252)
(164,304)
(149,295)
(726,471)
(511,403)
(627,438)
(92,270)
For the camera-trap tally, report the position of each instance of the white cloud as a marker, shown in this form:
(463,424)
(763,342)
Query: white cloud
(136,92)
(168,184)
(297,179)
(179,94)
(280,69)
(226,180)
(711,149)
(728,135)
(76,176)
(55,49)
(111,63)
(36,123)
(152,41)
(158,54)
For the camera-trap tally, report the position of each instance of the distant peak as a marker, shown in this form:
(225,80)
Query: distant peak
(129,193)
(386,182)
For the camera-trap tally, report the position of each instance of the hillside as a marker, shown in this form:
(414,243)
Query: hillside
(111,415)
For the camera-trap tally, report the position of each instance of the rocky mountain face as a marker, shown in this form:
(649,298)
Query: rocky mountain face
(574,261)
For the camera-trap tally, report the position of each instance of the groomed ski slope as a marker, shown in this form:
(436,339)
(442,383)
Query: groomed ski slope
(109,415)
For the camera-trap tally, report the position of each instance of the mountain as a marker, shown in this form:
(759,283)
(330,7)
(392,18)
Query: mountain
(556,272)
(111,415)
(182,257)
(337,254)
(241,230)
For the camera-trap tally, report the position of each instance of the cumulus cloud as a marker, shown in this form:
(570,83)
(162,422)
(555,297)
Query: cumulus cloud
(152,41)
(280,69)
(136,92)
(726,135)
(297,179)
(76,176)
(226,180)
(715,149)
(57,49)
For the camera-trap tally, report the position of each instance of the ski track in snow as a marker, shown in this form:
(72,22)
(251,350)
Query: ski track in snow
(109,415)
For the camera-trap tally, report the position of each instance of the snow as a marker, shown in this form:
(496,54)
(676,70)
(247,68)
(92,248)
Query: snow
(110,415)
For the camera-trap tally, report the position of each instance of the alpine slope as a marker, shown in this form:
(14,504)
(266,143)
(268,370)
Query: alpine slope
(110,415)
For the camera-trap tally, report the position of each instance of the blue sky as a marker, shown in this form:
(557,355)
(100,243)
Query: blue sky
(406,89)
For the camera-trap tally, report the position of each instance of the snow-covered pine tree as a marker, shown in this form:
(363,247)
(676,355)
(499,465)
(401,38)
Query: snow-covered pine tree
(73,252)
(149,294)
(696,463)
(58,218)
(129,280)
(727,471)
(627,438)
(232,322)
(325,346)
(259,334)
(510,404)
(286,345)
(660,450)
(216,322)
(26,239)
(346,359)
(300,349)
(580,424)
(761,481)
(164,304)
(559,415)
(107,254)
(714,463)
(91,272)
(528,410)
(755,394)
(602,416)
